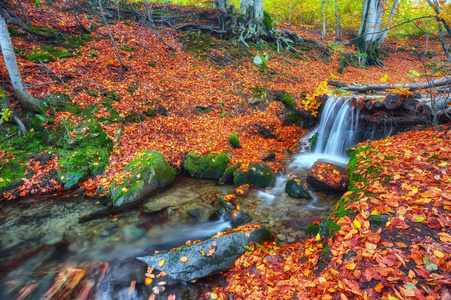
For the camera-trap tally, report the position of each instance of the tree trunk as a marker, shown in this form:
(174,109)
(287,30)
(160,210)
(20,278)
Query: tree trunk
(337,21)
(25,98)
(370,31)
(323,32)
(253,10)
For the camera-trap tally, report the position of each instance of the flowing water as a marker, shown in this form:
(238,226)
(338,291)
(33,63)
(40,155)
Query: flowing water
(69,243)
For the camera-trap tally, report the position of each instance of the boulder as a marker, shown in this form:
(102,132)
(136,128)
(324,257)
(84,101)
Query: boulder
(296,188)
(141,177)
(211,166)
(205,258)
(227,176)
(327,177)
(257,174)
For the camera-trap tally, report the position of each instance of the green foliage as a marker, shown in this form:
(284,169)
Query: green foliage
(210,166)
(5,114)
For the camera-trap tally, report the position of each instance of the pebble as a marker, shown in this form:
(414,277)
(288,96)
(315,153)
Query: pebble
(290,240)
(282,237)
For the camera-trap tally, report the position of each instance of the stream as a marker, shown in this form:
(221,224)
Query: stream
(81,245)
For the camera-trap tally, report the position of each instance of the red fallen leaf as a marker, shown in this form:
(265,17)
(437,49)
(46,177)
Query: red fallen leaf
(373,238)
(423,273)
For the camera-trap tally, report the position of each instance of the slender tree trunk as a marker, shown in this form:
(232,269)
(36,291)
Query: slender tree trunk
(111,36)
(258,16)
(337,20)
(390,18)
(435,5)
(323,32)
(26,99)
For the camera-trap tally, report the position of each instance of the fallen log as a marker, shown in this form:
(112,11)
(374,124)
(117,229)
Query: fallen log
(382,87)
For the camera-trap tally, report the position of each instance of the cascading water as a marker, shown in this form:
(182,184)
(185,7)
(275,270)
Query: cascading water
(337,129)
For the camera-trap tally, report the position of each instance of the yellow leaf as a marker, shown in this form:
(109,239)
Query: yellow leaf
(2,180)
(392,297)
(350,266)
(213,296)
(183,259)
(384,78)
(357,224)
(439,254)
(161,263)
(124,189)
(318,236)
(443,164)
(148,281)
(444,237)
(375,213)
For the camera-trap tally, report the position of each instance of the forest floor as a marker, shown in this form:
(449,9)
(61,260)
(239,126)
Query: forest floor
(194,98)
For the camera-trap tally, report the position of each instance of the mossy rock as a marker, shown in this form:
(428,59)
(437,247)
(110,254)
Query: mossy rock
(257,174)
(141,177)
(295,188)
(270,157)
(227,177)
(234,141)
(311,230)
(40,57)
(240,178)
(211,166)
(93,93)
(287,99)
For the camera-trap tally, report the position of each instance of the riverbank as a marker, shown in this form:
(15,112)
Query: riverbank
(393,238)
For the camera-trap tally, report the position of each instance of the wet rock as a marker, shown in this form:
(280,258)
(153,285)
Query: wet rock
(173,198)
(207,257)
(257,174)
(296,188)
(149,172)
(211,166)
(327,177)
(270,157)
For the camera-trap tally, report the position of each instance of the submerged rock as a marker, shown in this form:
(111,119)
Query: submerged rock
(141,177)
(205,258)
(295,188)
(327,177)
(211,166)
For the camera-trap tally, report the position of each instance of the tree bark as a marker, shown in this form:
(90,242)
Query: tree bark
(26,99)
(382,87)
(337,21)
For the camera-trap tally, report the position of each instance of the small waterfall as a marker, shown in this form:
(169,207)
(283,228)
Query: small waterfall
(338,128)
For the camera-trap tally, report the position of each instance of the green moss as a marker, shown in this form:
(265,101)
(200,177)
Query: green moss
(287,99)
(40,57)
(314,141)
(57,53)
(267,20)
(312,230)
(14,32)
(127,48)
(261,175)
(227,176)
(211,166)
(234,141)
(240,178)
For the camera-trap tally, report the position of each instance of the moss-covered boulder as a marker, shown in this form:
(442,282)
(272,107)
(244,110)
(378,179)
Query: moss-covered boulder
(261,175)
(296,188)
(257,174)
(211,166)
(240,178)
(227,176)
(141,177)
